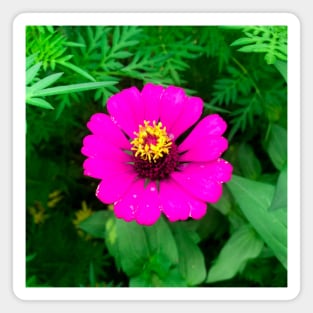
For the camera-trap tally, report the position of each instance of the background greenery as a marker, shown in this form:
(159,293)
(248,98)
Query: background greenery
(73,240)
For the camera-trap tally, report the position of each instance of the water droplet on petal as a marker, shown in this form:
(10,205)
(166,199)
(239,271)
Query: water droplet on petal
(113,120)
(171,136)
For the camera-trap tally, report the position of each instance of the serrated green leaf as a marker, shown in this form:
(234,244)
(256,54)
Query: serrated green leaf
(45,82)
(30,60)
(41,103)
(254,199)
(77,69)
(242,41)
(74,44)
(254,48)
(122,55)
(243,245)
(32,72)
(72,88)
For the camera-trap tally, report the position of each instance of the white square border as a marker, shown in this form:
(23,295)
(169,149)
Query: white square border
(19,194)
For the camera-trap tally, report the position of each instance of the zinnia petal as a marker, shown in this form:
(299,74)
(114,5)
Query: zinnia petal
(96,168)
(151,96)
(206,149)
(202,187)
(101,124)
(173,201)
(148,211)
(127,206)
(122,108)
(197,208)
(190,114)
(98,147)
(212,125)
(219,170)
(113,188)
(171,105)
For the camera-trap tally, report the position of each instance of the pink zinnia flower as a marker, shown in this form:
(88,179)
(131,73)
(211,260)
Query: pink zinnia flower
(145,163)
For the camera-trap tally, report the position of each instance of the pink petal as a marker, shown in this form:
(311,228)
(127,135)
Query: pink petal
(127,206)
(219,170)
(101,124)
(200,186)
(197,208)
(103,169)
(173,201)
(123,109)
(113,188)
(98,147)
(212,125)
(151,96)
(136,104)
(206,149)
(171,105)
(191,112)
(148,205)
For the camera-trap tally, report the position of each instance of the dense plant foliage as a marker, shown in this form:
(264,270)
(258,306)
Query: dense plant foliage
(73,240)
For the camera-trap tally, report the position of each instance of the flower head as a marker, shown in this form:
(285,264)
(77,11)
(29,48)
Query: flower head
(145,161)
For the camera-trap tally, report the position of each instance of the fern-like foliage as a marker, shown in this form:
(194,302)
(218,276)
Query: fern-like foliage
(271,40)
(175,47)
(227,89)
(248,94)
(214,43)
(47,45)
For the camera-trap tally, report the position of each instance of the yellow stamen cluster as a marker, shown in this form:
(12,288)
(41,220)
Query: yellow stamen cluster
(151,142)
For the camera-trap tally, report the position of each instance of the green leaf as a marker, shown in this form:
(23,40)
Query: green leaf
(280,196)
(41,103)
(92,275)
(133,247)
(95,225)
(249,165)
(254,199)
(151,279)
(271,40)
(242,41)
(72,88)
(191,260)
(161,240)
(111,240)
(32,72)
(77,69)
(242,246)
(30,60)
(276,146)
(45,82)
(224,204)
(281,66)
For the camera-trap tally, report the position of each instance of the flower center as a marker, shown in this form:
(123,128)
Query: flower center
(155,154)
(151,142)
